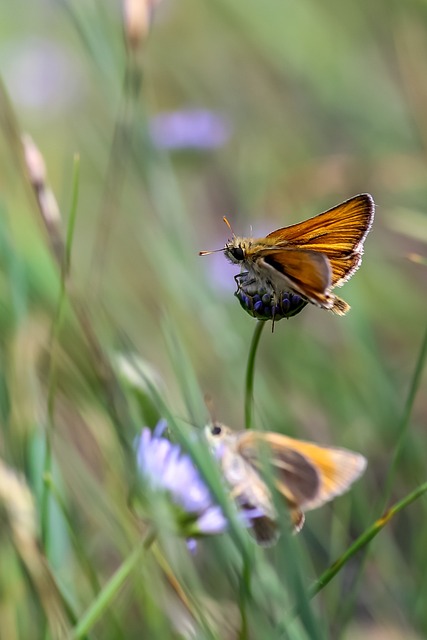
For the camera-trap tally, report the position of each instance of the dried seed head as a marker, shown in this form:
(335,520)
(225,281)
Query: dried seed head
(34,160)
(17,501)
(137,20)
(49,206)
(37,173)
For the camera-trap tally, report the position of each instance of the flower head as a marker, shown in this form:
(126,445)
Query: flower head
(264,305)
(166,468)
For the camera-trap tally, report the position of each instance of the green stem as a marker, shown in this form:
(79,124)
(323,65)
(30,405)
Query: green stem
(250,370)
(111,589)
(73,215)
(402,428)
(366,537)
(120,152)
(56,328)
(404,421)
(245,596)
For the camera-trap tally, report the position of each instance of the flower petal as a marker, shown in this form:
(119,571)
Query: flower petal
(212,521)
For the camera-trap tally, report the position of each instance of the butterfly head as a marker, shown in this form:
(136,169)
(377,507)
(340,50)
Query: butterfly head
(216,431)
(218,436)
(235,250)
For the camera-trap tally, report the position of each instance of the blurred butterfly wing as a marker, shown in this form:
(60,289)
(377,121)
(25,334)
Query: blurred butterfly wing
(308,475)
(265,531)
(297,479)
(339,233)
(337,468)
(251,494)
(307,272)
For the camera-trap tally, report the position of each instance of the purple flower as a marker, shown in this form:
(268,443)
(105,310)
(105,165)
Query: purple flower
(263,305)
(166,468)
(42,75)
(189,129)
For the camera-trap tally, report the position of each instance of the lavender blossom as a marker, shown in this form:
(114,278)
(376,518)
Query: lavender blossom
(263,303)
(42,75)
(168,469)
(198,129)
(263,306)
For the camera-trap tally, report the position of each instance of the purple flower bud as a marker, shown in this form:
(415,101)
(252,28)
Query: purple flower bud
(189,129)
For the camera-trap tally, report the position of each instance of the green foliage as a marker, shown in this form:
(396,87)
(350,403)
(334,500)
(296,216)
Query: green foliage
(109,320)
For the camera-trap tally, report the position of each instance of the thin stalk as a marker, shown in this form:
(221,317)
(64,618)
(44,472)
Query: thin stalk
(119,154)
(52,380)
(345,611)
(245,597)
(404,420)
(366,537)
(111,589)
(360,543)
(250,371)
(73,214)
(245,579)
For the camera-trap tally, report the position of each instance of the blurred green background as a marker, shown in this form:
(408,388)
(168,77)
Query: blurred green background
(266,112)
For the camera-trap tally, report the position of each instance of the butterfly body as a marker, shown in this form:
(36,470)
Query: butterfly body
(261,267)
(309,258)
(306,475)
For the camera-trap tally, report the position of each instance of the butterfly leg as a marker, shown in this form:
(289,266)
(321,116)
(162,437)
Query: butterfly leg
(243,276)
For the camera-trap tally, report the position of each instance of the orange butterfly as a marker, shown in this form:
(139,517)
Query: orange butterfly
(309,258)
(305,474)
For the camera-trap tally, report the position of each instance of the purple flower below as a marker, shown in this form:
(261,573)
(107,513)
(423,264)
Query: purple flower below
(263,304)
(167,468)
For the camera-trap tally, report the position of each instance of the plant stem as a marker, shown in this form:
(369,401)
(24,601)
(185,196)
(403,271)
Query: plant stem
(111,589)
(366,537)
(250,370)
(404,420)
(56,328)
(245,597)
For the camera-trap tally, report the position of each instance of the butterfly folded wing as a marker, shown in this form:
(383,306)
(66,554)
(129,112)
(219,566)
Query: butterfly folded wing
(306,272)
(296,479)
(308,475)
(251,494)
(337,468)
(340,229)
(338,233)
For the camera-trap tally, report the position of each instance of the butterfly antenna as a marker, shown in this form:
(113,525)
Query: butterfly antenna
(210,407)
(206,253)
(229,225)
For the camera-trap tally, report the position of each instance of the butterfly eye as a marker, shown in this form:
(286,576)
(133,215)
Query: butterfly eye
(237,253)
(216,430)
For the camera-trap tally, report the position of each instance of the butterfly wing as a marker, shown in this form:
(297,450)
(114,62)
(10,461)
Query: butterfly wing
(308,475)
(339,233)
(265,531)
(306,272)
(251,494)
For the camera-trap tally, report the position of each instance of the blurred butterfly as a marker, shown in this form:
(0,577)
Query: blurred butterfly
(305,474)
(309,258)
